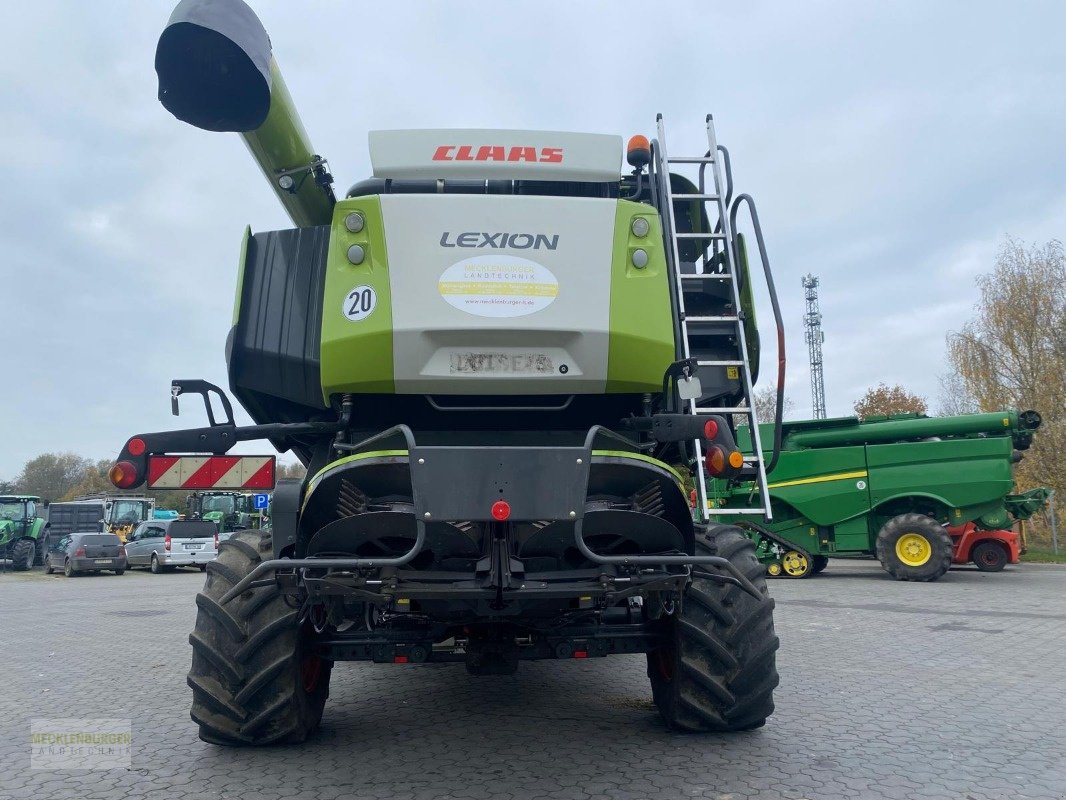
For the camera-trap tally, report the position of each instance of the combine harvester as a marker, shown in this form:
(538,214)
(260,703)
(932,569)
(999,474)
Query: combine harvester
(916,492)
(493,356)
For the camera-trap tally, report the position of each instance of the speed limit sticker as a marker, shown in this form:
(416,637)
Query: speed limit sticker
(360,303)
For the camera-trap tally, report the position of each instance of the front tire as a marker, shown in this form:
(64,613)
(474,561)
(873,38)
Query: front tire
(254,680)
(719,672)
(914,547)
(22,553)
(989,556)
(820,563)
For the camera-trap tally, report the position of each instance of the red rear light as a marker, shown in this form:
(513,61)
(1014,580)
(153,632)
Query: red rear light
(710,429)
(123,474)
(166,543)
(79,553)
(501,510)
(216,541)
(135,446)
(715,460)
(122,551)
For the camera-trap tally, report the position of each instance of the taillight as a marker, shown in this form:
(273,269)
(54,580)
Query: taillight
(79,553)
(501,510)
(122,551)
(166,543)
(216,541)
(715,460)
(123,474)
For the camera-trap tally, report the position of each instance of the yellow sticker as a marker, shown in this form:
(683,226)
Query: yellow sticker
(732,373)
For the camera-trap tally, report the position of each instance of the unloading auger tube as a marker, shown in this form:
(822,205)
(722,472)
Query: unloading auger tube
(255,579)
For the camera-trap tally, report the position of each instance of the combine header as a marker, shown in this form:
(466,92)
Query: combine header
(501,359)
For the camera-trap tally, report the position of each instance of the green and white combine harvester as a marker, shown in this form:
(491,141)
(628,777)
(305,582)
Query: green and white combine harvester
(500,358)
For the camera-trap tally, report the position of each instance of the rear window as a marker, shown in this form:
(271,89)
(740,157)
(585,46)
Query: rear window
(191,529)
(99,538)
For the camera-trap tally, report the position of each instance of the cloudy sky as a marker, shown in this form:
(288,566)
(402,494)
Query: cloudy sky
(890,146)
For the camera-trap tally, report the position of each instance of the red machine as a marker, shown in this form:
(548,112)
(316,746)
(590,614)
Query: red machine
(991,551)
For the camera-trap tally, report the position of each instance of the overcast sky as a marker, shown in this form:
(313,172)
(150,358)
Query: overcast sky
(890,147)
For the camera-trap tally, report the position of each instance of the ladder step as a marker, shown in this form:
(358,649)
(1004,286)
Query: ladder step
(720,236)
(733,318)
(721,512)
(705,276)
(694,196)
(719,363)
(690,160)
(722,410)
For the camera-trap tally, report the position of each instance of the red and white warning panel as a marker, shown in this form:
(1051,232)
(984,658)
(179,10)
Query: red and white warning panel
(211,472)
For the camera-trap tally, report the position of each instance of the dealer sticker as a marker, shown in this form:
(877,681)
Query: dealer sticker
(360,303)
(498,286)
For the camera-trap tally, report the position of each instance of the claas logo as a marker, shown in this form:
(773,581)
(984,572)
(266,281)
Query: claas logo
(492,152)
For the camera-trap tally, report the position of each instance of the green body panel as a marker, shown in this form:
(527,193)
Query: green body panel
(240,273)
(363,362)
(838,481)
(641,344)
(280,144)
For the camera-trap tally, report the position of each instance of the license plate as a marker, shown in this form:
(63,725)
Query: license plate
(194,547)
(103,561)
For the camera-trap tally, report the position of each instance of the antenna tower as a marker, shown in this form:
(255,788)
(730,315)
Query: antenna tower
(812,329)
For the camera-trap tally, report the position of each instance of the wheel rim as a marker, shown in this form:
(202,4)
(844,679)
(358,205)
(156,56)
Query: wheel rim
(795,564)
(310,672)
(989,556)
(913,549)
(774,569)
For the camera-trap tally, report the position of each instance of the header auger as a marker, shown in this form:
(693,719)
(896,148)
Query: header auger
(500,358)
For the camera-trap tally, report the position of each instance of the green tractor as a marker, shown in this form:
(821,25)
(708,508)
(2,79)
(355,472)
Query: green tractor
(21,531)
(498,358)
(231,511)
(918,493)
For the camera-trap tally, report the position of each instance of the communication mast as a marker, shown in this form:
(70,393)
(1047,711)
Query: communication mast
(812,329)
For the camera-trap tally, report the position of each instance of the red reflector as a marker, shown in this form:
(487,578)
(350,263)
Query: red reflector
(501,510)
(710,429)
(166,542)
(135,446)
(581,654)
(123,474)
(399,659)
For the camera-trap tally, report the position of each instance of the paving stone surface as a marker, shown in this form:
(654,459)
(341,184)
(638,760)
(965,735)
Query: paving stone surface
(955,689)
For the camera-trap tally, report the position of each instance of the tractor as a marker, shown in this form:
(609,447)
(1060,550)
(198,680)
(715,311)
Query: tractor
(502,358)
(21,531)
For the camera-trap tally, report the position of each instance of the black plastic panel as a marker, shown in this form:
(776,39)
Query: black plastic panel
(274,351)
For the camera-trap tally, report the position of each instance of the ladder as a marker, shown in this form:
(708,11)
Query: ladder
(721,242)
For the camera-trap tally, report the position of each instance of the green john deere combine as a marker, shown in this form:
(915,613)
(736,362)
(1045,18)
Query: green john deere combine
(21,531)
(891,487)
(493,356)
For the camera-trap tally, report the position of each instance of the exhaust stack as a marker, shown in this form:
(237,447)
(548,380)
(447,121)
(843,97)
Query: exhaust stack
(217,71)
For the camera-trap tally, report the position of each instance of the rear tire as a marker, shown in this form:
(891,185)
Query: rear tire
(914,547)
(990,556)
(154,566)
(720,671)
(120,572)
(254,682)
(68,569)
(22,553)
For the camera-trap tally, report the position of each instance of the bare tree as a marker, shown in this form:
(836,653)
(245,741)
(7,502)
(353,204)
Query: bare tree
(51,476)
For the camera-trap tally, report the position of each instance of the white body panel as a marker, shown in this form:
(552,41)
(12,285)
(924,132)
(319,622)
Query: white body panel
(490,296)
(488,154)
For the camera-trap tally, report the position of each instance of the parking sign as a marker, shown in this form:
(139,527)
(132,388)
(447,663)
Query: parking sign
(261,501)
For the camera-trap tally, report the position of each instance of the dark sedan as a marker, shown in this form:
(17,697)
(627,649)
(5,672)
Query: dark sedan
(76,553)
